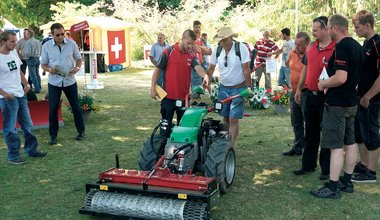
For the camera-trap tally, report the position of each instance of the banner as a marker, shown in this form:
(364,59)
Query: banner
(116,47)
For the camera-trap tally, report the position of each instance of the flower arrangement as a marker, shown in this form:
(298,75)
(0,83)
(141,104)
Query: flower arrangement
(260,99)
(86,102)
(281,97)
(214,89)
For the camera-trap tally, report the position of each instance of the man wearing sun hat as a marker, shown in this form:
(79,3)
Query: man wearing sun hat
(234,76)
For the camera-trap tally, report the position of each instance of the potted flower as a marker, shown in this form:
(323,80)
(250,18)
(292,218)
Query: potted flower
(280,99)
(86,103)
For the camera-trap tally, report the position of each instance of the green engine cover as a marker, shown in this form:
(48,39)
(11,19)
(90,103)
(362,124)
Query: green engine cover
(187,131)
(184,134)
(193,117)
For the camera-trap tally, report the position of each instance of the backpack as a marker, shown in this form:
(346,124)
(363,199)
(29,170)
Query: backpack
(237,49)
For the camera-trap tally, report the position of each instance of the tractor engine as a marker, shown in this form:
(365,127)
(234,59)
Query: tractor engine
(181,157)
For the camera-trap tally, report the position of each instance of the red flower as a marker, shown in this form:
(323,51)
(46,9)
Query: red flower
(85,107)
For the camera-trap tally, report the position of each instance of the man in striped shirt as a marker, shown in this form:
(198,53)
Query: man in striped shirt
(265,47)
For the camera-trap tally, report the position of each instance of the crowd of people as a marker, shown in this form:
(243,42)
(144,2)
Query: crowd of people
(334,85)
(333,80)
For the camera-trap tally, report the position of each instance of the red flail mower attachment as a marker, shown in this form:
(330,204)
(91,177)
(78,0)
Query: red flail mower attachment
(156,194)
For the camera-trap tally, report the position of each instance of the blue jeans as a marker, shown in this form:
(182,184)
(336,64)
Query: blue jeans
(71,93)
(160,79)
(284,77)
(33,66)
(234,108)
(17,109)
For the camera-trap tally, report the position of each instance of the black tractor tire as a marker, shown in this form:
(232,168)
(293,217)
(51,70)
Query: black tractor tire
(149,155)
(221,163)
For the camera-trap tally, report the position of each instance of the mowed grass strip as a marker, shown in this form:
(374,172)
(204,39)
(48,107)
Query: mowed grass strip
(264,187)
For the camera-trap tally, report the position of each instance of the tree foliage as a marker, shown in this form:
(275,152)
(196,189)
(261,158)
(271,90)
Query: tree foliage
(171,17)
(71,9)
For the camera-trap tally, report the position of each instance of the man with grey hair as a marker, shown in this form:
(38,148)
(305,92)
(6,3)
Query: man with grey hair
(19,48)
(344,69)
(294,62)
(155,53)
(32,52)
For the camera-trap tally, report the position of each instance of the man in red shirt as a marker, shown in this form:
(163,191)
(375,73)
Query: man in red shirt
(264,47)
(312,100)
(177,61)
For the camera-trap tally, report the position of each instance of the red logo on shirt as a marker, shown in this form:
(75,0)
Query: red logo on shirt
(340,62)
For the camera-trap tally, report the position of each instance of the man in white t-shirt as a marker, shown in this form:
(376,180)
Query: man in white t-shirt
(13,102)
(235,76)
(284,77)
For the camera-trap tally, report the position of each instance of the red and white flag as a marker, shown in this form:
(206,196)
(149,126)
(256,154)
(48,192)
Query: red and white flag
(116,47)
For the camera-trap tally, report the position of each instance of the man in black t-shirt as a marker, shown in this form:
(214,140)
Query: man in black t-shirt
(344,68)
(367,123)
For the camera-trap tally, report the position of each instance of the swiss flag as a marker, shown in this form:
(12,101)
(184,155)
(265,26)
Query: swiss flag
(116,47)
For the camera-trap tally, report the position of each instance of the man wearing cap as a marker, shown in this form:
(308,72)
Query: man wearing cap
(177,62)
(234,76)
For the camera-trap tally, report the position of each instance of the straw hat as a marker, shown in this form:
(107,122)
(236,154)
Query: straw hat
(224,32)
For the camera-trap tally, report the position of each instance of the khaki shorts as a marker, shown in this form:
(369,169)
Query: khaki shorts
(338,127)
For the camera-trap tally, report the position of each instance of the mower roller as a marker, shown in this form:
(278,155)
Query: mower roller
(184,169)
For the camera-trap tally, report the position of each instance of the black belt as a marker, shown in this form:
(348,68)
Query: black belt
(313,92)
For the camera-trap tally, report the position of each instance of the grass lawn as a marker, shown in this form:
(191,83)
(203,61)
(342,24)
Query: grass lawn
(264,187)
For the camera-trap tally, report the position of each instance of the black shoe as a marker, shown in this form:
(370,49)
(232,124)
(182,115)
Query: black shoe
(360,168)
(52,140)
(292,152)
(325,192)
(303,171)
(80,136)
(366,177)
(348,187)
(38,154)
(324,176)
(17,161)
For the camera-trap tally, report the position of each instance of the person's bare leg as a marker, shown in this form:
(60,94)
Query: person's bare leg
(351,156)
(336,163)
(373,159)
(363,152)
(234,130)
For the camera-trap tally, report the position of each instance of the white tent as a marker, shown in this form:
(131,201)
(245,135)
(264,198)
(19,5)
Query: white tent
(8,26)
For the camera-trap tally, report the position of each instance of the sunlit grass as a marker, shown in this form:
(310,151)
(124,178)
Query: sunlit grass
(264,187)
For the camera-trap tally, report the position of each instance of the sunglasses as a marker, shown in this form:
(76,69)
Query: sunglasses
(321,20)
(57,35)
(225,61)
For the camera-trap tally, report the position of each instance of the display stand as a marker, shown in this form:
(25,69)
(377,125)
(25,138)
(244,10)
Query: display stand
(93,64)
